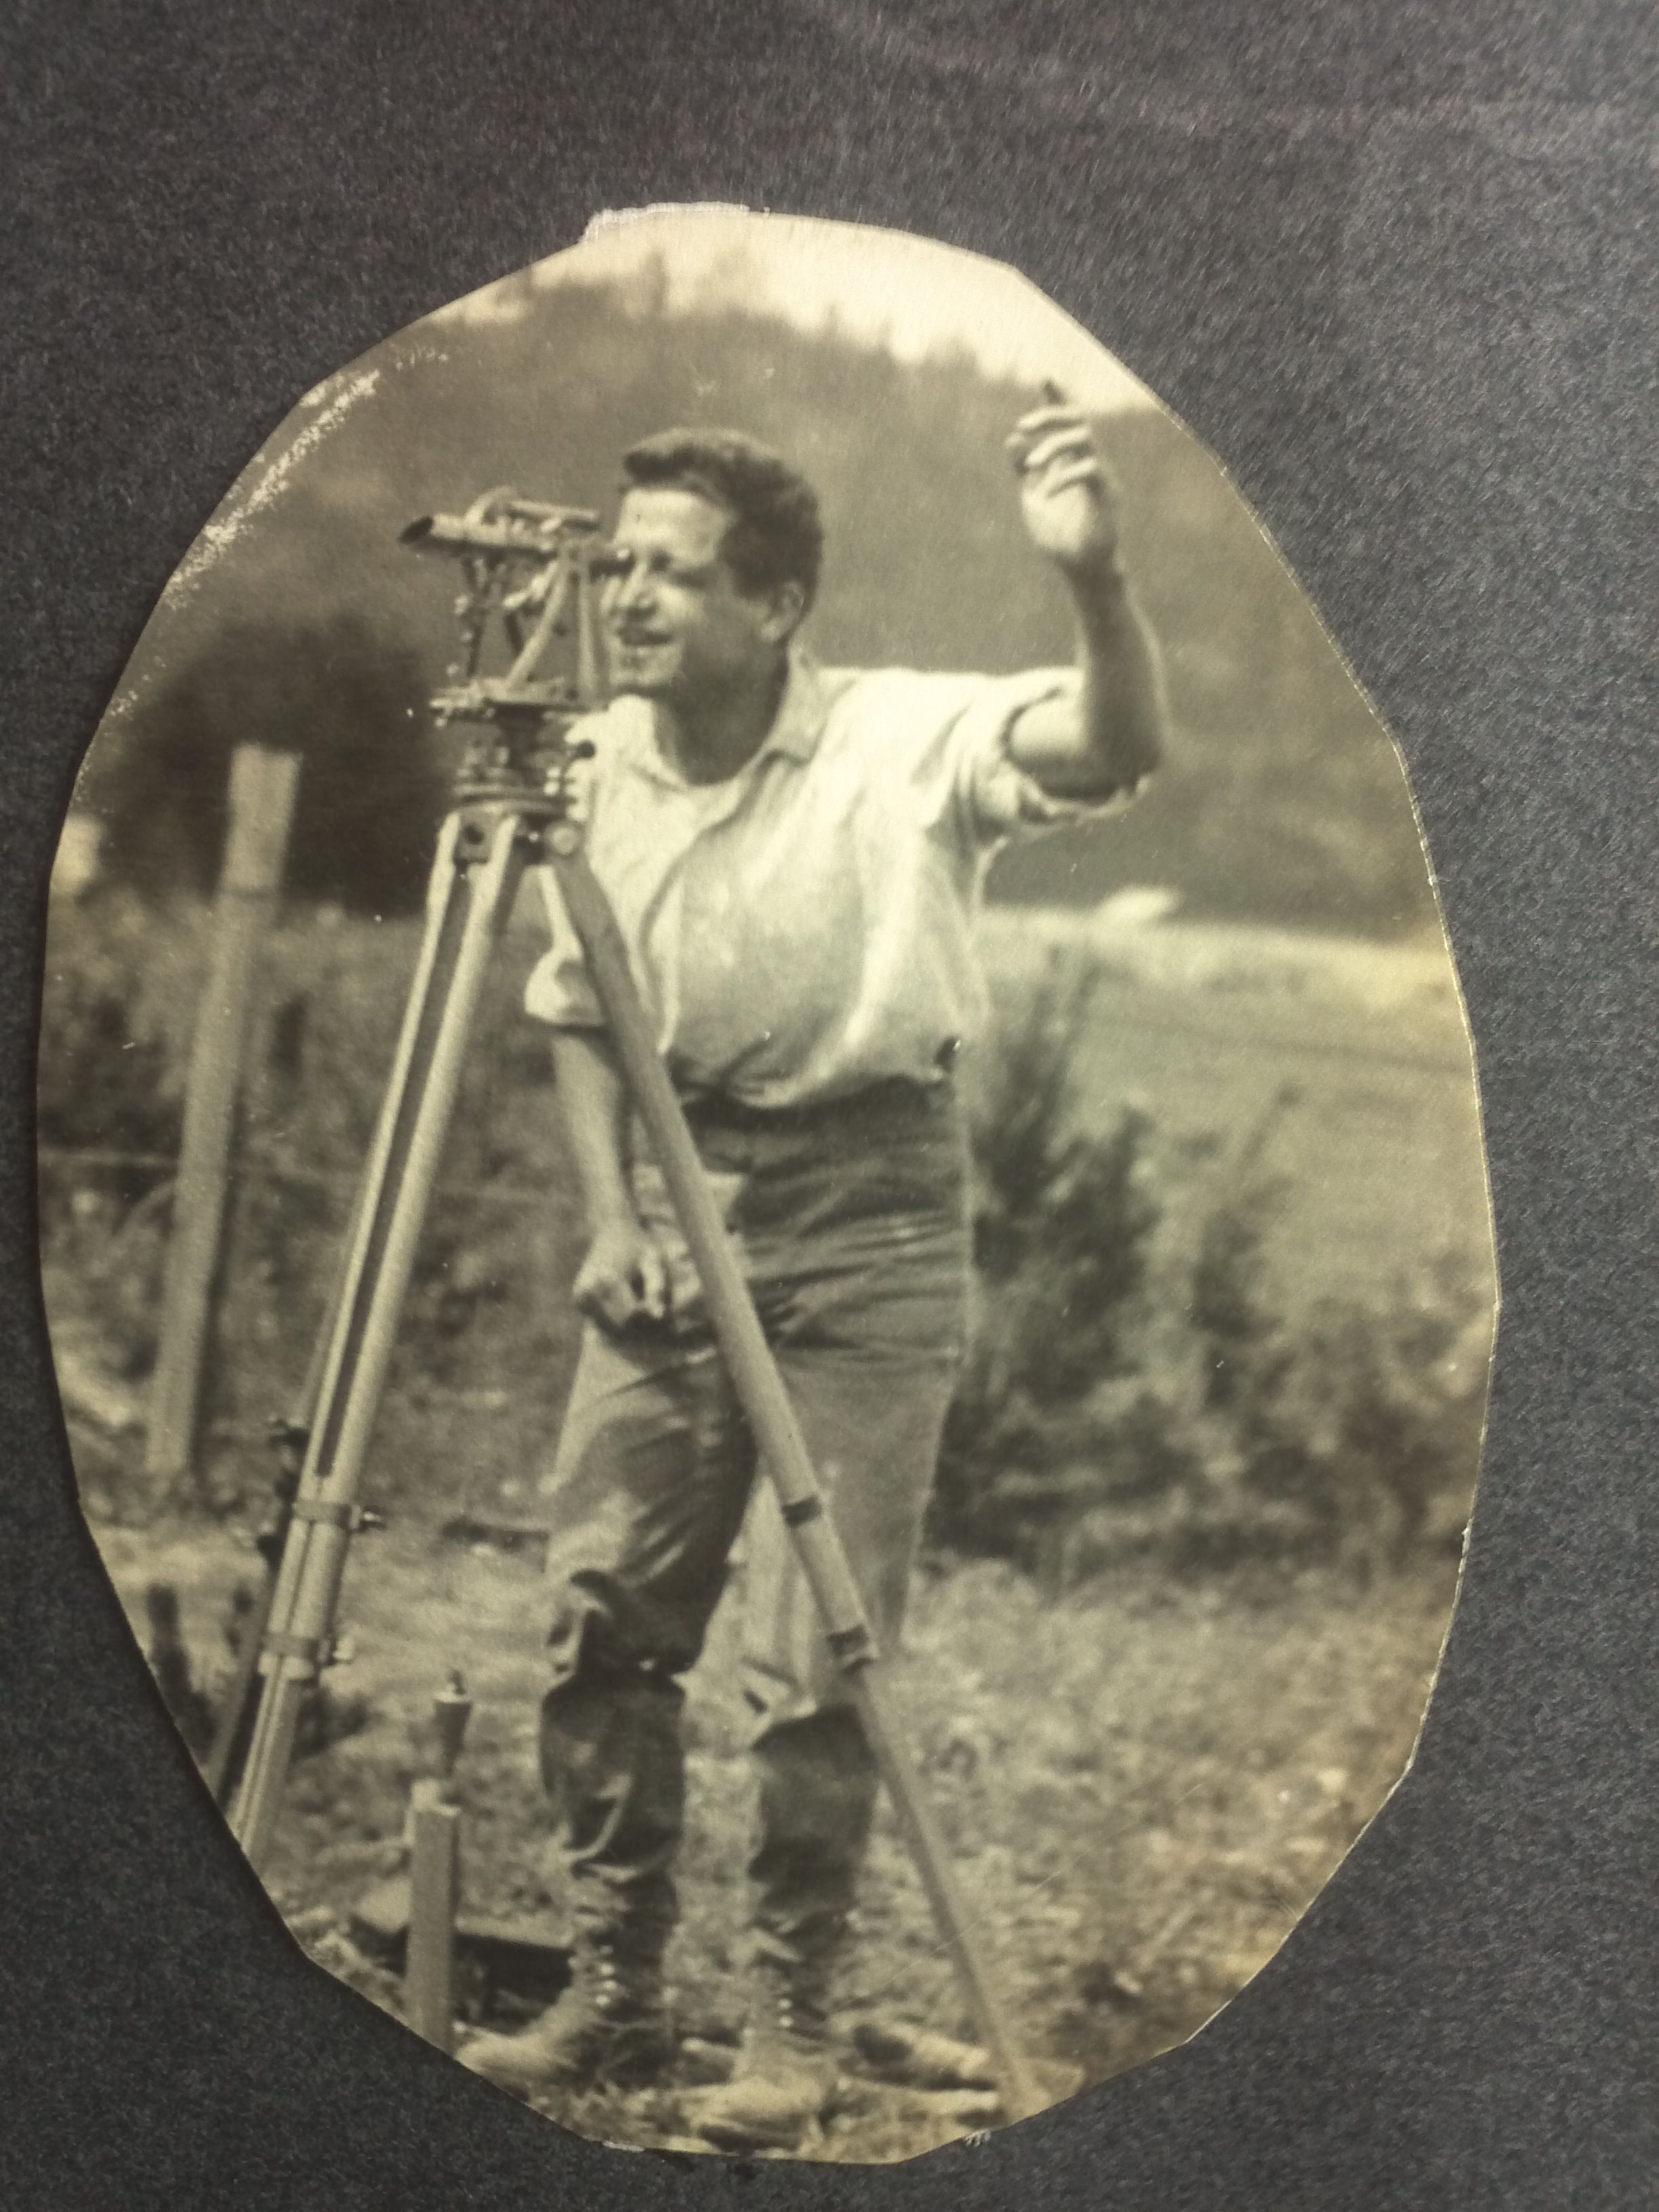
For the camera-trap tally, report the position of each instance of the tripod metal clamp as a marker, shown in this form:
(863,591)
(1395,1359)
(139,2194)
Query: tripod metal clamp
(335,1649)
(337,1513)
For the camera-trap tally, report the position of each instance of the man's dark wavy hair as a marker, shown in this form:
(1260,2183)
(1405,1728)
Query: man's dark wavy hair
(775,535)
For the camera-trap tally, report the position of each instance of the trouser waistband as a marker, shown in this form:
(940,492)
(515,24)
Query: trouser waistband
(897,1099)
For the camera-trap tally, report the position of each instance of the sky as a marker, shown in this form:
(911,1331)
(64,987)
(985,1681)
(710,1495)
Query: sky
(913,292)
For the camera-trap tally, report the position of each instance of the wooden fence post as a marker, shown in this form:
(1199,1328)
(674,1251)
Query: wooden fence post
(262,787)
(434,1830)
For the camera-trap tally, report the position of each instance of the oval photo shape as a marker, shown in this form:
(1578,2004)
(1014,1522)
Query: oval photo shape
(737,934)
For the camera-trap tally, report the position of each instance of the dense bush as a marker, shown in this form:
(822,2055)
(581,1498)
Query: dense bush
(107,1065)
(1137,1386)
(1060,1231)
(485,1351)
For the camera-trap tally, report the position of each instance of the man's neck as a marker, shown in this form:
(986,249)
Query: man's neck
(709,741)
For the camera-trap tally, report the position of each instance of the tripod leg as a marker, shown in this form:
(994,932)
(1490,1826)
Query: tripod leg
(232,1721)
(931,1860)
(783,1451)
(234,1724)
(474,879)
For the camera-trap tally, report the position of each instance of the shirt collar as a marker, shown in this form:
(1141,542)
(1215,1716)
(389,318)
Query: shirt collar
(797,726)
(799,723)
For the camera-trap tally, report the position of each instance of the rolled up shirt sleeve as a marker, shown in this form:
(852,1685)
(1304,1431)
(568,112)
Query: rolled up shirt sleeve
(997,798)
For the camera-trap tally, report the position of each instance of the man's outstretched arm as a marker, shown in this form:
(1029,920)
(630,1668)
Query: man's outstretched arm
(1110,734)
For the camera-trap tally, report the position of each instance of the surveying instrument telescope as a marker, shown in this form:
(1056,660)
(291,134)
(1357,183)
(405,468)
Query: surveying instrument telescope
(530,571)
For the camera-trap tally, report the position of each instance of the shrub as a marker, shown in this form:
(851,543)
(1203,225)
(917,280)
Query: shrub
(106,1079)
(1063,1223)
(1367,1424)
(1138,1388)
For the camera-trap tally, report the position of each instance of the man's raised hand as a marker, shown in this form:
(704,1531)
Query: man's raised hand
(1066,495)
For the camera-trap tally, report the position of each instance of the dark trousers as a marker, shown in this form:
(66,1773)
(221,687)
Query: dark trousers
(851,1221)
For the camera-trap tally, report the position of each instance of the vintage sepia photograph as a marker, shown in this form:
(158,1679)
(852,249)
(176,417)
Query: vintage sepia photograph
(762,1197)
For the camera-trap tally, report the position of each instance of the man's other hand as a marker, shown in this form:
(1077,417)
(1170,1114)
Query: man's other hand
(1065,492)
(624,1278)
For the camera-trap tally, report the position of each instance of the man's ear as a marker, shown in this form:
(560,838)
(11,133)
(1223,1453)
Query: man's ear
(785,609)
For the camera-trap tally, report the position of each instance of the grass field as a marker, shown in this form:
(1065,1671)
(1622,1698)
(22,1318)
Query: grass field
(1355,1058)
(1145,1777)
(1143,1787)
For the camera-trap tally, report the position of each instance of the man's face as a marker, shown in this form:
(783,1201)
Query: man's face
(681,630)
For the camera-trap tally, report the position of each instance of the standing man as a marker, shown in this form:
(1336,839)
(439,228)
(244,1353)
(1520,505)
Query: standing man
(793,853)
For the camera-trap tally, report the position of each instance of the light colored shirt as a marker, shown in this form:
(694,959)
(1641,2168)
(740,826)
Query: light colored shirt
(804,928)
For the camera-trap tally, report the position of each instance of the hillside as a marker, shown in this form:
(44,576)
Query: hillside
(298,622)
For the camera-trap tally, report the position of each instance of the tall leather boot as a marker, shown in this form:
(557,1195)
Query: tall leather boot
(609,2025)
(614,1771)
(786,2075)
(818,1790)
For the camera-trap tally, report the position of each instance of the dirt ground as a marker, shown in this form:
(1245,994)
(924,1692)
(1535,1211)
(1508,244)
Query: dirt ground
(1143,1783)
